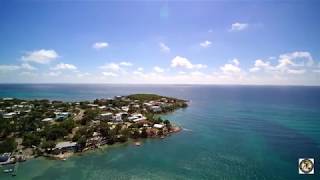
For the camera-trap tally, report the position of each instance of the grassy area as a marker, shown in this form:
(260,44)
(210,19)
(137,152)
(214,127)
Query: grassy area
(147,97)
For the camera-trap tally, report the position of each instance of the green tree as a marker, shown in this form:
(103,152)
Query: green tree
(68,125)
(144,133)
(55,133)
(8,145)
(160,132)
(104,130)
(167,123)
(82,142)
(30,139)
(135,134)
(48,144)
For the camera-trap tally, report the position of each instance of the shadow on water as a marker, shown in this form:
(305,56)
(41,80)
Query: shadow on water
(287,142)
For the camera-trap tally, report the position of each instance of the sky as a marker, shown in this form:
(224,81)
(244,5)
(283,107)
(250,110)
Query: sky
(160,42)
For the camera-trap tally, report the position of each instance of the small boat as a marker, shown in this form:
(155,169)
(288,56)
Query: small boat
(8,170)
(137,143)
(64,159)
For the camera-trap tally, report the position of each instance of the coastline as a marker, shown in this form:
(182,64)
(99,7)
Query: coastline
(132,142)
(73,128)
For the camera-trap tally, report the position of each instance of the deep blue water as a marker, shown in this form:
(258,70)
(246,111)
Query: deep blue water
(232,132)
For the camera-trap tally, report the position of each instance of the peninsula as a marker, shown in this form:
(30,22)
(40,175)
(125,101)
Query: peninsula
(31,128)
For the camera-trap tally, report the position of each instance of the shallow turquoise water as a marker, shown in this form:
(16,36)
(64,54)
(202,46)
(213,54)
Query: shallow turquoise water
(231,132)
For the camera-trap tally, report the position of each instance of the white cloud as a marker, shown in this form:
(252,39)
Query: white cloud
(100,45)
(27,73)
(182,62)
(54,73)
(239,26)
(63,66)
(260,65)
(235,61)
(291,63)
(164,47)
(230,69)
(205,44)
(125,63)
(41,56)
(158,69)
(297,58)
(5,68)
(116,67)
(24,66)
(83,74)
(139,73)
(197,73)
(27,66)
(296,71)
(111,66)
(111,74)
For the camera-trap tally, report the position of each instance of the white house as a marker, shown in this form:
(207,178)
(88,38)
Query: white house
(125,108)
(118,117)
(47,119)
(147,104)
(156,108)
(136,117)
(102,107)
(106,116)
(9,115)
(158,126)
(93,105)
(61,115)
(66,145)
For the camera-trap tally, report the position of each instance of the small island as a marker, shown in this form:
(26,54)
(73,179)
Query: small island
(57,129)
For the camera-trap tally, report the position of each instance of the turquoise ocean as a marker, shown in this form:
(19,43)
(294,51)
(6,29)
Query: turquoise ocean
(230,132)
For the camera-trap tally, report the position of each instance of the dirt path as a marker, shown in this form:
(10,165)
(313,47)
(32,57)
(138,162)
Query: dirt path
(79,116)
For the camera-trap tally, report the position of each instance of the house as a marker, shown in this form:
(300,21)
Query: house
(122,116)
(65,146)
(136,117)
(62,115)
(136,106)
(155,108)
(118,117)
(102,107)
(158,126)
(164,100)
(118,97)
(147,104)
(106,116)
(93,105)
(125,108)
(47,120)
(9,115)
(5,158)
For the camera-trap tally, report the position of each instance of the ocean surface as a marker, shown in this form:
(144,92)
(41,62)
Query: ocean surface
(230,132)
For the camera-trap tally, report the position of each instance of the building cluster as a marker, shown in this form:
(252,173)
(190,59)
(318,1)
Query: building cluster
(9,111)
(120,112)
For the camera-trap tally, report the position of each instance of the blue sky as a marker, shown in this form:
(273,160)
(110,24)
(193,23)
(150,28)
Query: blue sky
(222,42)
